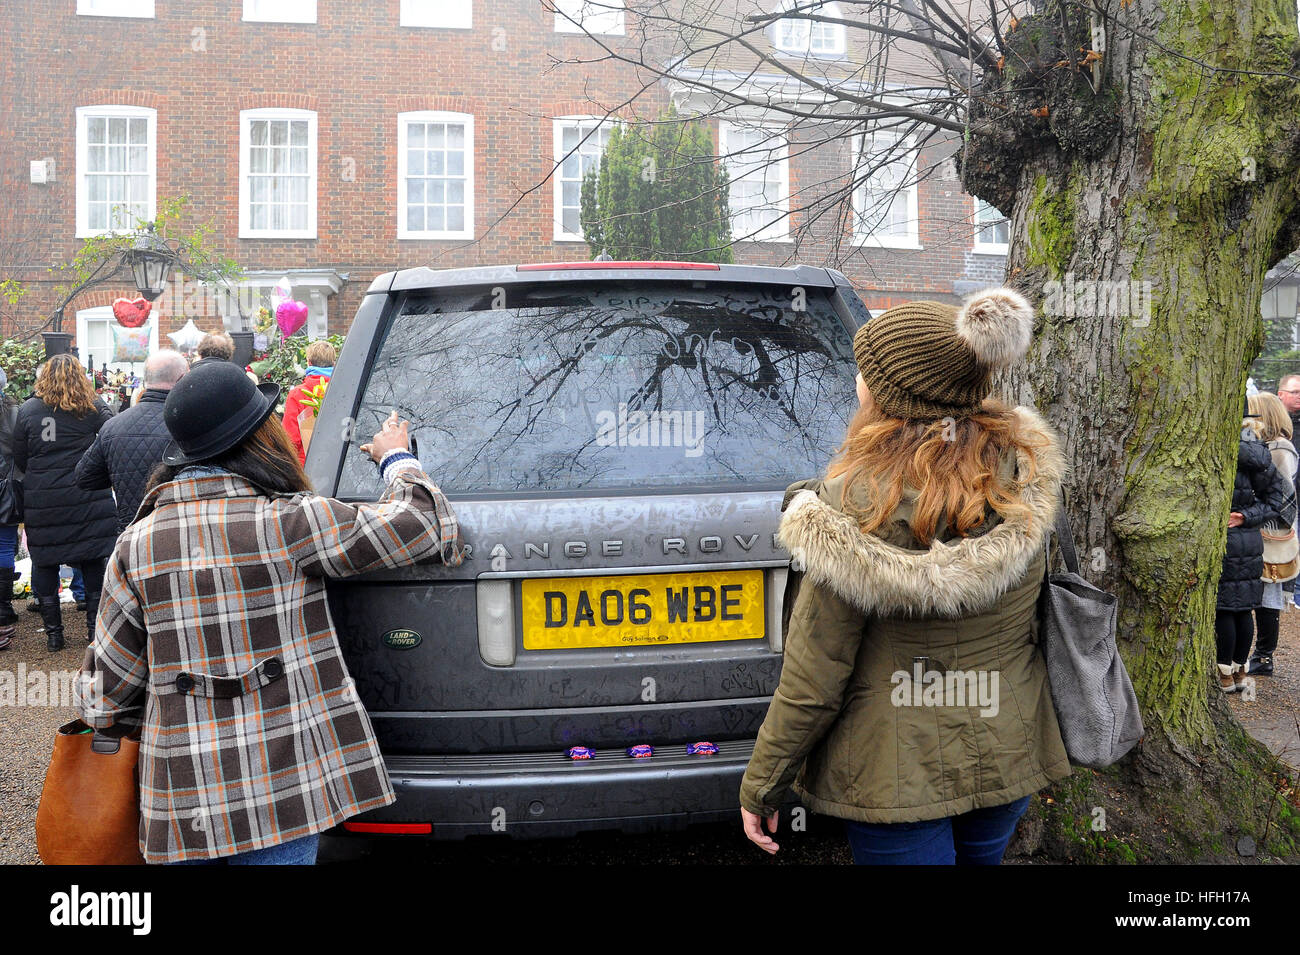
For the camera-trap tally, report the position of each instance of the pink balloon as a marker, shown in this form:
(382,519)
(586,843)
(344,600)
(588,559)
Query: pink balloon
(290,316)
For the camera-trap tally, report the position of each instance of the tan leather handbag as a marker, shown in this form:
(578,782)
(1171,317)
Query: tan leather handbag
(90,806)
(1281,554)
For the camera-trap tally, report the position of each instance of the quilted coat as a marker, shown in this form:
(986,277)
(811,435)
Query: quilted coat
(913,687)
(1257,497)
(215,634)
(125,452)
(65,523)
(8,424)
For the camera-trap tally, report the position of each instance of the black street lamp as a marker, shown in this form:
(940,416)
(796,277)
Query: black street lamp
(151,261)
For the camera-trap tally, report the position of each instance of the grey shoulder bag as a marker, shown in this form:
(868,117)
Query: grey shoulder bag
(1095,704)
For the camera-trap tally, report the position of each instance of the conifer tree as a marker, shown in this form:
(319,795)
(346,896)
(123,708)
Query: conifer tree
(658,193)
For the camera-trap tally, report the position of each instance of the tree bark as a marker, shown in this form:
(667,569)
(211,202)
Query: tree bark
(1193,202)
(1151,170)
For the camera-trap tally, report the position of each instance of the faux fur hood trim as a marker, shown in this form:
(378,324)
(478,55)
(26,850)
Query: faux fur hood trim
(948,580)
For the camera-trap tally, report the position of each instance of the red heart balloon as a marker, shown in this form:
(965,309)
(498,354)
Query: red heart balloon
(131,313)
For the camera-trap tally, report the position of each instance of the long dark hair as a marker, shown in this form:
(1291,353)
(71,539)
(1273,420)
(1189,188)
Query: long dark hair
(265,458)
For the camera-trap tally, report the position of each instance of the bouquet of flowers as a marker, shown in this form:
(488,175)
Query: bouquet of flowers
(313,396)
(262,330)
(115,387)
(311,402)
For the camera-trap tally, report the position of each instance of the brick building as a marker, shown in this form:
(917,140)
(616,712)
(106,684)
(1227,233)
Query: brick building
(331,141)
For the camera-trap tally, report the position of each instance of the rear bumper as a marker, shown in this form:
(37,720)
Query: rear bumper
(533,795)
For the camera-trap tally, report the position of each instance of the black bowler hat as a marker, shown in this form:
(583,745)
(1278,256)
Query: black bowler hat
(212,409)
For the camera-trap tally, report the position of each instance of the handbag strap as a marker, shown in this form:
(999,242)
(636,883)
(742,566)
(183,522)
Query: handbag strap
(105,744)
(1065,539)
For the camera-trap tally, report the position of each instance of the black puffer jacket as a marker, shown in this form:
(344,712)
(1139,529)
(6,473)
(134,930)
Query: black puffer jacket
(65,524)
(8,422)
(125,451)
(1256,496)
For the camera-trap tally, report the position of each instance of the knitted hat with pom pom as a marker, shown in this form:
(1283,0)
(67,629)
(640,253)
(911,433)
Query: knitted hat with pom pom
(925,360)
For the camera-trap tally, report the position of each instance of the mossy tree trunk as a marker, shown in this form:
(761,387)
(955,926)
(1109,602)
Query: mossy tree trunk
(1148,246)
(1148,146)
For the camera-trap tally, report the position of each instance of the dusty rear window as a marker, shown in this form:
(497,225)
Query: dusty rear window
(612,386)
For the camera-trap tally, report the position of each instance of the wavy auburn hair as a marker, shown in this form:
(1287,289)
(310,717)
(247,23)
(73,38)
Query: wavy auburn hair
(63,384)
(953,464)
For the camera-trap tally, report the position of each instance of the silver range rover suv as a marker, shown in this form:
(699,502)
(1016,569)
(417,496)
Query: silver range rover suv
(615,438)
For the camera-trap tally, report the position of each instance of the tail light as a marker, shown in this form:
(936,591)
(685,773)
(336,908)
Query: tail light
(391,828)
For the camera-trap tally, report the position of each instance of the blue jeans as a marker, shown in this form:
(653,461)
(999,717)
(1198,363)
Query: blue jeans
(8,544)
(78,582)
(295,852)
(978,837)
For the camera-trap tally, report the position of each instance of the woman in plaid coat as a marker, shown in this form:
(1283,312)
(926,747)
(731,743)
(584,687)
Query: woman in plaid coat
(214,635)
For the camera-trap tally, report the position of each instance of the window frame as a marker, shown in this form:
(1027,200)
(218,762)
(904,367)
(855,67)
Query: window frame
(805,45)
(246,119)
(875,240)
(133,9)
(250,6)
(778,230)
(419,17)
(563,23)
(434,116)
(988,248)
(104,313)
(83,115)
(558,124)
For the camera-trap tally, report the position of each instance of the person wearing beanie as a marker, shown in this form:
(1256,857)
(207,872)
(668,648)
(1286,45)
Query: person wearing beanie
(216,638)
(913,700)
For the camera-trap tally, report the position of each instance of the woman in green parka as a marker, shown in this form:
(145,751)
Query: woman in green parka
(913,700)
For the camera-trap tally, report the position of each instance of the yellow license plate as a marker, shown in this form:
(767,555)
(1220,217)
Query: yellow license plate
(566,613)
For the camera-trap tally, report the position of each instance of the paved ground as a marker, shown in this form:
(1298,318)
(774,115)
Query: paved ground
(26,733)
(1272,716)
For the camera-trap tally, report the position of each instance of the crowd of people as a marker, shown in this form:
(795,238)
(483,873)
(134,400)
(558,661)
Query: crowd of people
(204,553)
(78,472)
(1262,558)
